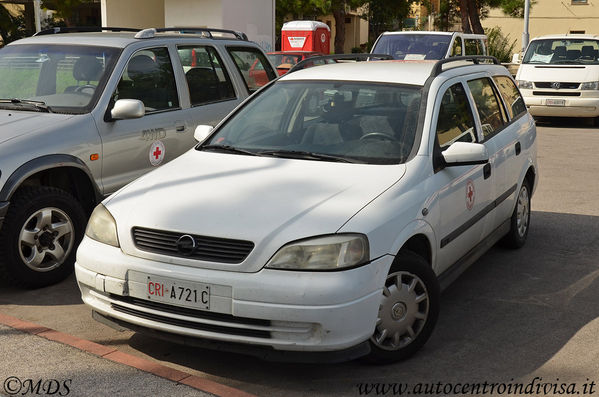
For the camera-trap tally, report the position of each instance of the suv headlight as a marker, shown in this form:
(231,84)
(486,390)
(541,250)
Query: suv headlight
(323,253)
(590,85)
(525,85)
(102,227)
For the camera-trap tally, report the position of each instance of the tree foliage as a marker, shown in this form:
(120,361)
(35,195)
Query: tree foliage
(65,9)
(12,27)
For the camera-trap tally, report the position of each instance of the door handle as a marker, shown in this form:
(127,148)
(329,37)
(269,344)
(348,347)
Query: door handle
(518,148)
(180,128)
(487,171)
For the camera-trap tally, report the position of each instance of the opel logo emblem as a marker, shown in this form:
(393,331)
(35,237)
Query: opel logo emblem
(555,86)
(186,245)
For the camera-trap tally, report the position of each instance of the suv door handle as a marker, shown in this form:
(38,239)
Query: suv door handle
(180,128)
(487,171)
(518,148)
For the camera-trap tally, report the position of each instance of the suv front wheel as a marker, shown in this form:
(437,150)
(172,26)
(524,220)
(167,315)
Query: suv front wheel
(40,235)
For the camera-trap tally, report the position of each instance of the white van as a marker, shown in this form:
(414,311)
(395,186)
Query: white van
(419,45)
(559,76)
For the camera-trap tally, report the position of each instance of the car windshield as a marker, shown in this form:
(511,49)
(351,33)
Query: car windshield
(413,46)
(66,79)
(325,120)
(562,51)
(284,59)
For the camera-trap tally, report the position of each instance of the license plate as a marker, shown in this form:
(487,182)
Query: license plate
(177,292)
(555,102)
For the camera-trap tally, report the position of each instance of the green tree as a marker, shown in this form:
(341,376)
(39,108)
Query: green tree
(11,27)
(65,9)
(386,15)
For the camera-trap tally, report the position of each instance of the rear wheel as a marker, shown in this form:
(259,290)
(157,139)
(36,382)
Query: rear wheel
(39,236)
(408,311)
(520,221)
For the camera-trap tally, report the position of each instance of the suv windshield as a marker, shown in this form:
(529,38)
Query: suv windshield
(66,78)
(562,51)
(330,121)
(413,46)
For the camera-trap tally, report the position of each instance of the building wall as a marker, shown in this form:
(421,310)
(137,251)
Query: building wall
(356,31)
(133,13)
(196,13)
(256,18)
(549,17)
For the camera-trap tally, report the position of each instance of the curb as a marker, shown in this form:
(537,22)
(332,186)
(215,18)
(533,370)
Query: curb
(116,356)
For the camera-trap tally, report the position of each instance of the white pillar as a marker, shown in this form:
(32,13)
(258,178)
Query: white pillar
(525,35)
(37,10)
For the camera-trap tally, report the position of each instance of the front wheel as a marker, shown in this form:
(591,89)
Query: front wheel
(520,221)
(408,310)
(39,236)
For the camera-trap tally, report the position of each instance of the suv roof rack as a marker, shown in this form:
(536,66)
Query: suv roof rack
(356,57)
(475,59)
(81,29)
(208,32)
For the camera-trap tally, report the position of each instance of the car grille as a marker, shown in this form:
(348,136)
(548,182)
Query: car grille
(210,321)
(211,249)
(555,93)
(564,86)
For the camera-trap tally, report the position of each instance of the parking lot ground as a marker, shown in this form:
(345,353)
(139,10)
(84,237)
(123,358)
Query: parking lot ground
(517,318)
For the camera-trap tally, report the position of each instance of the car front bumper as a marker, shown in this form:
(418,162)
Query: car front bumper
(283,310)
(585,105)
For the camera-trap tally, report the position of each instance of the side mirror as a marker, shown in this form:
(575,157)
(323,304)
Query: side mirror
(201,132)
(464,153)
(516,58)
(125,109)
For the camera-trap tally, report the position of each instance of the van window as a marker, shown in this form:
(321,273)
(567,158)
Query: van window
(511,96)
(473,47)
(492,115)
(563,51)
(456,50)
(455,122)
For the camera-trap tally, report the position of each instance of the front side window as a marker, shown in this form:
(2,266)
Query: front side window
(149,77)
(330,121)
(253,67)
(563,51)
(455,122)
(207,79)
(66,78)
(491,113)
(511,96)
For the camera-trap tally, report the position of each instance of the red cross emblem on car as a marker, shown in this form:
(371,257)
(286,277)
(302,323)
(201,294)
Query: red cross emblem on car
(470,194)
(156,153)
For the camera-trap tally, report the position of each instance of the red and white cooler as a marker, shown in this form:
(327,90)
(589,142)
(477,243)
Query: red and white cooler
(306,36)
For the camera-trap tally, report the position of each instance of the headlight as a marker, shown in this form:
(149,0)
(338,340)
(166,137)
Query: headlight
(591,85)
(323,253)
(102,227)
(525,85)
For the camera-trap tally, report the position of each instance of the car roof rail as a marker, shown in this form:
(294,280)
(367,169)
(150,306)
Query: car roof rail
(207,32)
(356,57)
(83,29)
(461,61)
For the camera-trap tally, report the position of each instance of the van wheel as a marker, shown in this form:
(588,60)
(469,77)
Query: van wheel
(408,311)
(520,221)
(39,236)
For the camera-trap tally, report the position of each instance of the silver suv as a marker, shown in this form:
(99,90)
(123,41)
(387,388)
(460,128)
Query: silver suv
(84,113)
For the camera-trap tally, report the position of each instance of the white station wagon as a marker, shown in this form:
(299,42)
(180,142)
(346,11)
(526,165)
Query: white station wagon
(323,216)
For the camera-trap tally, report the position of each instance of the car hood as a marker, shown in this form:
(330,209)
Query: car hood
(551,73)
(268,201)
(14,123)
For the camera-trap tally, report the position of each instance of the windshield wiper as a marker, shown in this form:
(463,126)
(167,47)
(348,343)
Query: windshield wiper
(298,154)
(39,105)
(227,149)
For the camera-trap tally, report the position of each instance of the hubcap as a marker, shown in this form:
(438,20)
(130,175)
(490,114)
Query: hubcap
(403,311)
(46,239)
(522,215)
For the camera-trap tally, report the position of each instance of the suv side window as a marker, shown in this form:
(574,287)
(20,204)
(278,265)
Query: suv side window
(253,66)
(491,113)
(149,77)
(207,79)
(455,122)
(456,50)
(511,96)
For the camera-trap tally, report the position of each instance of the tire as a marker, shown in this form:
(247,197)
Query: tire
(407,315)
(39,236)
(520,221)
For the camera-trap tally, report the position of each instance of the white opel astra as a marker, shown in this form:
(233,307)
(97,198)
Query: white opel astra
(323,216)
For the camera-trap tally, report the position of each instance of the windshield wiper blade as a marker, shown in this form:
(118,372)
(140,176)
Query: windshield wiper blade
(227,149)
(298,154)
(40,105)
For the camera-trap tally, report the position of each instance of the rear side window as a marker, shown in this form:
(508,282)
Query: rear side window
(455,122)
(511,96)
(149,77)
(473,47)
(253,67)
(456,49)
(491,113)
(207,79)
